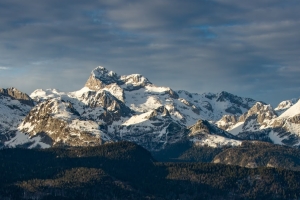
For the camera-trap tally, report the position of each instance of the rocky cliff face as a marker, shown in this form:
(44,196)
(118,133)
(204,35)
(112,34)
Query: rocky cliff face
(152,130)
(227,122)
(75,119)
(14,106)
(204,133)
(262,122)
(114,109)
(239,102)
(257,117)
(101,78)
(59,124)
(284,105)
(14,93)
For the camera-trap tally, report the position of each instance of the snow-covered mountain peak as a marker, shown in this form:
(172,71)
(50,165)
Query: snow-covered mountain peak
(205,134)
(227,121)
(16,94)
(204,127)
(129,107)
(292,111)
(226,96)
(104,75)
(14,106)
(284,105)
(160,111)
(40,95)
(101,78)
(260,112)
(134,81)
(260,107)
(258,117)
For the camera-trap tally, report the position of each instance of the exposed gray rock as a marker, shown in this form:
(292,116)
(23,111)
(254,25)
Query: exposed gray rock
(210,96)
(204,127)
(234,110)
(258,116)
(94,84)
(14,106)
(114,108)
(173,94)
(295,119)
(261,111)
(18,95)
(207,105)
(101,78)
(227,121)
(194,108)
(160,111)
(284,105)
(40,121)
(157,131)
(134,82)
(245,103)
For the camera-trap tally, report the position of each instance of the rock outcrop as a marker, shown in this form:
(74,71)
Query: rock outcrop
(18,95)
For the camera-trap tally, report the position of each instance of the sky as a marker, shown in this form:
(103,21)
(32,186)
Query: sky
(248,48)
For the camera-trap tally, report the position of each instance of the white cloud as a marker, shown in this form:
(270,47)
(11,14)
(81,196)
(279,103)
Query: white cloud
(3,68)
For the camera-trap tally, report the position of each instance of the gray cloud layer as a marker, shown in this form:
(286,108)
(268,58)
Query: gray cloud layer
(247,48)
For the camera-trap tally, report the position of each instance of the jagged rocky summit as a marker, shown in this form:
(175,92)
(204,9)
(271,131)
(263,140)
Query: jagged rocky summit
(14,106)
(129,107)
(264,123)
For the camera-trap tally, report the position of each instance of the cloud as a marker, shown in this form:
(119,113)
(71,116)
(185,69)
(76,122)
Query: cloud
(248,48)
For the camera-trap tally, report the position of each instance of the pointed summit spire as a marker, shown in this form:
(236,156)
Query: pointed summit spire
(100,77)
(104,75)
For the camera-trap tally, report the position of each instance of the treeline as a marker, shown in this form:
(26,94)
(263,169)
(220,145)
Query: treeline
(127,171)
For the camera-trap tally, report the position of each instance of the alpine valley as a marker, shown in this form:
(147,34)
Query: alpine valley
(95,142)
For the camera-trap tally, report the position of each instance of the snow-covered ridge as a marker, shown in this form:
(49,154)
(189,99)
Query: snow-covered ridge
(104,75)
(262,122)
(257,118)
(40,95)
(292,111)
(135,80)
(215,141)
(101,77)
(14,106)
(129,107)
(284,105)
(112,107)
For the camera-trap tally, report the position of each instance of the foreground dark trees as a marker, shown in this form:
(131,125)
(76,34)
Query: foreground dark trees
(127,171)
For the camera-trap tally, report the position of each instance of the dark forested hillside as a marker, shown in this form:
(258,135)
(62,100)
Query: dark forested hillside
(249,154)
(186,151)
(127,171)
(257,154)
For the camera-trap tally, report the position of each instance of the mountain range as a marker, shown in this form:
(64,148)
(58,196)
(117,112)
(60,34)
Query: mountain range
(111,108)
